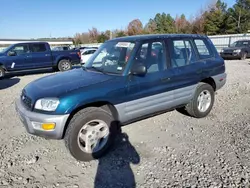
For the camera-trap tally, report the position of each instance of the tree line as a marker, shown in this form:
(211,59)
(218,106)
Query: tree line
(216,18)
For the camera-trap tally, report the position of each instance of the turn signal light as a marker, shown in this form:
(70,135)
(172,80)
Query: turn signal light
(48,126)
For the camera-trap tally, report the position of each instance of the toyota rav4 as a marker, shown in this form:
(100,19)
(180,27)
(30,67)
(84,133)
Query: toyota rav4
(127,79)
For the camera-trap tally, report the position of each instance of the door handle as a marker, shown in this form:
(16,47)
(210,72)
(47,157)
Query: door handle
(47,54)
(165,79)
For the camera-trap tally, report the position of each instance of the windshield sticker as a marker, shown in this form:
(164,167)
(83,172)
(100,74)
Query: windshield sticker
(119,68)
(123,44)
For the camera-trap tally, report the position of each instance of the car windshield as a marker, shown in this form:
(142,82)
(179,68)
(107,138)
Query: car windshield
(8,48)
(111,57)
(2,49)
(240,44)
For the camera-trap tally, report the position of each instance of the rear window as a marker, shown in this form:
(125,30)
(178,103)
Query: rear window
(203,49)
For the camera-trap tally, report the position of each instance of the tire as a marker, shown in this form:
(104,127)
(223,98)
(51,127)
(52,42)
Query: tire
(64,65)
(243,56)
(76,145)
(2,73)
(192,107)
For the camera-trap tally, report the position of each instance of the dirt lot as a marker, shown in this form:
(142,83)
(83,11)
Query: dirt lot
(169,150)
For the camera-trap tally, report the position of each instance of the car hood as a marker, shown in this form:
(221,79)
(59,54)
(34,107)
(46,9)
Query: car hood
(60,83)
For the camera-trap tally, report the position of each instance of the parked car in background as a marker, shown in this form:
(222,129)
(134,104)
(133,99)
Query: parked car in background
(86,54)
(60,48)
(238,50)
(87,47)
(36,55)
(126,80)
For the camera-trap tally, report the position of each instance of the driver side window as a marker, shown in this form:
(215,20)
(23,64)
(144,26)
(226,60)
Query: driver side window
(20,49)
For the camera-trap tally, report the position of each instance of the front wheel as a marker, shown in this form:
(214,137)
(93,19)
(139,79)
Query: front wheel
(64,65)
(90,134)
(2,73)
(243,56)
(202,102)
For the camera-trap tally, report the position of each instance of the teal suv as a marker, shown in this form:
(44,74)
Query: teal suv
(127,79)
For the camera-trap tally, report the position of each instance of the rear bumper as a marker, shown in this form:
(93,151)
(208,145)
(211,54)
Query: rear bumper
(32,120)
(76,62)
(220,80)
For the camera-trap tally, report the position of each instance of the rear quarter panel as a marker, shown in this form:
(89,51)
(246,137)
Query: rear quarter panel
(214,65)
(71,55)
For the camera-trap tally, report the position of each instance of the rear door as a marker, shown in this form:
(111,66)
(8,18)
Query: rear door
(22,59)
(153,92)
(187,69)
(41,55)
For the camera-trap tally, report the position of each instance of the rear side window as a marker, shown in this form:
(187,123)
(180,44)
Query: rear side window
(203,49)
(153,55)
(38,48)
(182,53)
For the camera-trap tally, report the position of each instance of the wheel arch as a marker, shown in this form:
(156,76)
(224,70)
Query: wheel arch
(2,65)
(107,106)
(210,81)
(62,58)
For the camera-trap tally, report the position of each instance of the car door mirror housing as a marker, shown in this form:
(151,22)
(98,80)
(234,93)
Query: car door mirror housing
(11,53)
(139,69)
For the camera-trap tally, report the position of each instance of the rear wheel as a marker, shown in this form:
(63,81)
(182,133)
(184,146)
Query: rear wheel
(90,134)
(202,102)
(2,72)
(64,65)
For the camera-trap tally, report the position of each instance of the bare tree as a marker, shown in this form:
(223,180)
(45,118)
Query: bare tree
(93,34)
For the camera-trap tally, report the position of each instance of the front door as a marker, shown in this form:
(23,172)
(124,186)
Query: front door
(21,60)
(152,92)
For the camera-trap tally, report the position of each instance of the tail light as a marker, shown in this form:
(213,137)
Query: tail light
(79,54)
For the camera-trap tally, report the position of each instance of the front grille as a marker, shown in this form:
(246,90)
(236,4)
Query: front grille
(228,51)
(26,100)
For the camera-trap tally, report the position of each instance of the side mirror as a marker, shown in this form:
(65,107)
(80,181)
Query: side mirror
(139,69)
(12,53)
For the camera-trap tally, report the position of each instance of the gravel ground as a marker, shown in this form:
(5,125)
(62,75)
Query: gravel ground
(169,150)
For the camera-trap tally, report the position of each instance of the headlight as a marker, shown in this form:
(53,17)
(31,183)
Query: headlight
(237,51)
(222,51)
(47,104)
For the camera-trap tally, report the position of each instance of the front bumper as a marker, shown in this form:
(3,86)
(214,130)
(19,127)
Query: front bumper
(32,119)
(234,55)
